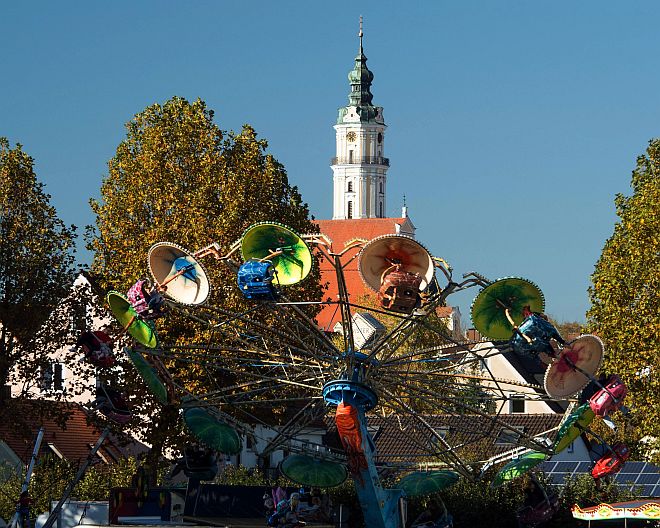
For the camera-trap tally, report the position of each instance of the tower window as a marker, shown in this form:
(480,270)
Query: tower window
(380,137)
(381,187)
(381,209)
(350,156)
(349,212)
(349,188)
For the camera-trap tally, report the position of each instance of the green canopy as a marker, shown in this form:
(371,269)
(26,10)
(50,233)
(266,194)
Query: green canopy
(518,467)
(143,332)
(211,431)
(313,472)
(489,307)
(148,374)
(573,426)
(420,483)
(294,262)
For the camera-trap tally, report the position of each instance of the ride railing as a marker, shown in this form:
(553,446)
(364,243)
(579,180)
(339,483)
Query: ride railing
(361,160)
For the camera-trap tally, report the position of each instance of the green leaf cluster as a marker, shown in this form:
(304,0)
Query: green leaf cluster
(51,476)
(36,272)
(625,293)
(178,177)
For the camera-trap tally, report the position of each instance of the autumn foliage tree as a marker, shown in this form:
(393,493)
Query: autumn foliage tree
(36,274)
(625,293)
(177,177)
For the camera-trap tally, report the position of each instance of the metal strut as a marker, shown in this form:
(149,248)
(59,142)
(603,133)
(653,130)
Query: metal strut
(81,473)
(26,483)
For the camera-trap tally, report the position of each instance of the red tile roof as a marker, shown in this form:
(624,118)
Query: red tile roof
(74,441)
(340,232)
(402,439)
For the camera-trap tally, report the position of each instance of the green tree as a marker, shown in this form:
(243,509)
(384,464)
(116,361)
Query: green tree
(36,273)
(177,177)
(51,476)
(625,293)
(568,329)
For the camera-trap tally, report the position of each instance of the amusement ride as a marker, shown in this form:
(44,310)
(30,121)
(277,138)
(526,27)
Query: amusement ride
(273,358)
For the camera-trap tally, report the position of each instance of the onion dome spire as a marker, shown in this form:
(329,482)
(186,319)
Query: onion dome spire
(360,79)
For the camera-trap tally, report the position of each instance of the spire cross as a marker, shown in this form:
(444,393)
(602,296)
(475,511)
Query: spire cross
(360,34)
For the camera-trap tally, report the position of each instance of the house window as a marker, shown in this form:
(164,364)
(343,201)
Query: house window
(508,436)
(78,318)
(52,377)
(349,213)
(516,403)
(349,188)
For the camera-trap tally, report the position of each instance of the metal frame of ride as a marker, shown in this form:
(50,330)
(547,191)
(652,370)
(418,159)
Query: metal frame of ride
(273,356)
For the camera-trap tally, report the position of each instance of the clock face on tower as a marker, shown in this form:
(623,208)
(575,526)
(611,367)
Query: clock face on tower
(351,136)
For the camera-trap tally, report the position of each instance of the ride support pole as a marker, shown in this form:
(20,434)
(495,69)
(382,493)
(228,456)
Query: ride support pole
(81,473)
(26,483)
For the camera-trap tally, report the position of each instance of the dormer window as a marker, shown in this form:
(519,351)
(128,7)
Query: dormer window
(52,377)
(509,436)
(517,403)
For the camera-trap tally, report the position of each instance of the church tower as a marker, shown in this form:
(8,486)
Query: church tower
(359,167)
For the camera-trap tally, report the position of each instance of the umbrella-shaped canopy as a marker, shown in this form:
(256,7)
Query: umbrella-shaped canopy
(382,252)
(570,373)
(420,483)
(143,332)
(310,471)
(489,307)
(148,374)
(292,258)
(573,426)
(518,467)
(185,278)
(211,431)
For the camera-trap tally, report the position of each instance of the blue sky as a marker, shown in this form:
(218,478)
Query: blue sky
(512,125)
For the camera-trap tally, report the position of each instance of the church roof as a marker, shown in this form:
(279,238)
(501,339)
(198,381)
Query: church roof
(340,232)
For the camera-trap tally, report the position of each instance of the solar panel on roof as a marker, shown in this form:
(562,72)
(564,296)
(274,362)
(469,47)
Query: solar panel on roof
(558,478)
(648,478)
(625,478)
(583,467)
(548,466)
(566,466)
(634,467)
(648,491)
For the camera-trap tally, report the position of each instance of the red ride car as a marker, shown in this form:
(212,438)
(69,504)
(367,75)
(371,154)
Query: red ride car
(612,462)
(610,398)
